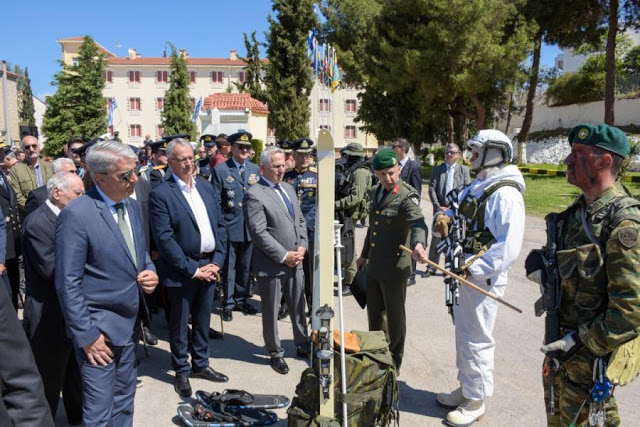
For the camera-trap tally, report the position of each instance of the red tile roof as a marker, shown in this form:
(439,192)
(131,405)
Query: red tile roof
(234,101)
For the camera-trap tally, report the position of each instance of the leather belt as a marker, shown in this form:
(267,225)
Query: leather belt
(205,255)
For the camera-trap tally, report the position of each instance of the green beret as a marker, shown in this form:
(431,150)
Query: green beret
(604,136)
(385,159)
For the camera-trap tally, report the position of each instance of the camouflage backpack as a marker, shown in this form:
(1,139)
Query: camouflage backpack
(372,390)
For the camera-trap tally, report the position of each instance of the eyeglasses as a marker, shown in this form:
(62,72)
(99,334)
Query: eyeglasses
(242,147)
(451,152)
(184,161)
(28,147)
(126,177)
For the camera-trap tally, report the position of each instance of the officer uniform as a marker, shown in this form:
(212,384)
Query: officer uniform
(600,282)
(13,242)
(157,173)
(305,183)
(395,219)
(204,164)
(230,184)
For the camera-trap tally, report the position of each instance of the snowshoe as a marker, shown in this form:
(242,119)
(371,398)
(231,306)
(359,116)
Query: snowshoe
(240,399)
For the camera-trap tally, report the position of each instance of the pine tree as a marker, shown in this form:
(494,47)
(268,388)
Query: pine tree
(77,107)
(26,109)
(288,76)
(177,112)
(253,82)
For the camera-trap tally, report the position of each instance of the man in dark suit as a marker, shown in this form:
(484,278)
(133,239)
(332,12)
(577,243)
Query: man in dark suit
(279,234)
(231,180)
(10,265)
(410,171)
(38,196)
(191,237)
(101,270)
(43,320)
(444,178)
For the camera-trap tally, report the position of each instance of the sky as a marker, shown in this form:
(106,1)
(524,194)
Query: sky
(204,29)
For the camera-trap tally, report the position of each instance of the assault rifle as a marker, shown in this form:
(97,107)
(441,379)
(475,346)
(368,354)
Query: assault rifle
(454,256)
(549,303)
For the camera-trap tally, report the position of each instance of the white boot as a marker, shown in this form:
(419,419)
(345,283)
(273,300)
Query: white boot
(467,413)
(450,400)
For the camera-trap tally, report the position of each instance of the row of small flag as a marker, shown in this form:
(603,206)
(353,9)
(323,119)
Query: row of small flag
(324,61)
(113,105)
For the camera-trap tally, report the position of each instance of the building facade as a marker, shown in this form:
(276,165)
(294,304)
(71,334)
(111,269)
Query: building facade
(138,84)
(9,131)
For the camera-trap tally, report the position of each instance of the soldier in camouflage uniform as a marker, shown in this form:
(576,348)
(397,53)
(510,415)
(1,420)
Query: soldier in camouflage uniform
(598,252)
(395,219)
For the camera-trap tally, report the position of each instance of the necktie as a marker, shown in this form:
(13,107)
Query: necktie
(241,169)
(382,194)
(285,198)
(124,229)
(449,185)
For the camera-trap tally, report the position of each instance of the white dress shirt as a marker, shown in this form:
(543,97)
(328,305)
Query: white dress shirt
(191,195)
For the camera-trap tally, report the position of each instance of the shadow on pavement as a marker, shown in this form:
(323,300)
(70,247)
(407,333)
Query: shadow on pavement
(420,402)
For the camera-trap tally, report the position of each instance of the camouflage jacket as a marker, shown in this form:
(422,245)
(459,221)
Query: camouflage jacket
(600,276)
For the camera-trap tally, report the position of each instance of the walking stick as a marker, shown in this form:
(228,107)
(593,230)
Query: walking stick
(465,281)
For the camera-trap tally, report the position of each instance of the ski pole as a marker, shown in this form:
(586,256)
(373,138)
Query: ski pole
(338,246)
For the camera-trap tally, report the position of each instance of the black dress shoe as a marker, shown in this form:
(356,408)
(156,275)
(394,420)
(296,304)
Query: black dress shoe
(411,280)
(303,351)
(149,337)
(227,315)
(215,335)
(211,375)
(279,365)
(283,312)
(246,308)
(346,290)
(182,386)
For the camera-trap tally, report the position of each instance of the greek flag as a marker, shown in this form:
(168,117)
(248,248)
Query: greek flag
(113,106)
(196,111)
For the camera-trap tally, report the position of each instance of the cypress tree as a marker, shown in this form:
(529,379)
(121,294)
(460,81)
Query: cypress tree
(177,112)
(77,107)
(26,108)
(253,82)
(288,77)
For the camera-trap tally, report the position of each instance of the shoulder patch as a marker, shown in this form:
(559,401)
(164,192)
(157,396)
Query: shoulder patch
(313,169)
(415,199)
(628,236)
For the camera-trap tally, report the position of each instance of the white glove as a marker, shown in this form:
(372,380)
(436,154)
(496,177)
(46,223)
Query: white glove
(564,344)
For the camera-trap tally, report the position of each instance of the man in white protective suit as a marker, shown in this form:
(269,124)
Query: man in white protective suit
(493,209)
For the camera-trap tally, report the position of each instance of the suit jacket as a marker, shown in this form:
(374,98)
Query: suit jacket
(24,179)
(35,199)
(22,394)
(230,187)
(272,229)
(176,233)
(143,191)
(10,213)
(438,181)
(95,274)
(412,174)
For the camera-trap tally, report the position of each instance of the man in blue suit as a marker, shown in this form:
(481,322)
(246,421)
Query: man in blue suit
(191,237)
(102,268)
(231,180)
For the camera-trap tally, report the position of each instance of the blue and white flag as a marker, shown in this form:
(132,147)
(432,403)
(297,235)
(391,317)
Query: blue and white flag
(112,107)
(196,111)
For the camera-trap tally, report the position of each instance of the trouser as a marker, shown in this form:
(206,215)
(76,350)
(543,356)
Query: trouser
(192,298)
(13,274)
(434,256)
(569,396)
(475,318)
(270,290)
(386,312)
(108,392)
(236,272)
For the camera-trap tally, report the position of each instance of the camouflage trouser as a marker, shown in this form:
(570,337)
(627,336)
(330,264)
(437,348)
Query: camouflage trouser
(568,399)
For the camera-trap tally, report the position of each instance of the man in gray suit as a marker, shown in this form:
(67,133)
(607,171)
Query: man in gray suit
(279,234)
(444,178)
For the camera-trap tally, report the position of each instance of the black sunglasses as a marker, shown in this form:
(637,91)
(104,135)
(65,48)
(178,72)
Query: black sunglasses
(126,177)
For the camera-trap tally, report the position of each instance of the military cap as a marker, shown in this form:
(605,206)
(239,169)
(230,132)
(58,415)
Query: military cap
(158,145)
(385,159)
(208,140)
(134,148)
(353,149)
(5,147)
(302,145)
(243,137)
(83,149)
(604,136)
(285,145)
(170,138)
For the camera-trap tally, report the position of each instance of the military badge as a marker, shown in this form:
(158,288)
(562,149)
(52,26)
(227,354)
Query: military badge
(230,194)
(310,194)
(229,178)
(415,199)
(230,204)
(395,189)
(583,133)
(253,178)
(628,236)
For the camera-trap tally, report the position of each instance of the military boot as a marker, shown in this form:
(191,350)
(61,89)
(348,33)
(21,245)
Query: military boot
(467,413)
(450,400)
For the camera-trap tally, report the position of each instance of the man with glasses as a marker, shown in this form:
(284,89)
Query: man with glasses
(191,238)
(69,151)
(101,271)
(231,180)
(31,174)
(444,178)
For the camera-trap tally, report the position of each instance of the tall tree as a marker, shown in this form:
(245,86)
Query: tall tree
(288,77)
(77,107)
(253,70)
(26,109)
(177,112)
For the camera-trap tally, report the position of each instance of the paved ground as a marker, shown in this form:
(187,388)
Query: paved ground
(428,368)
